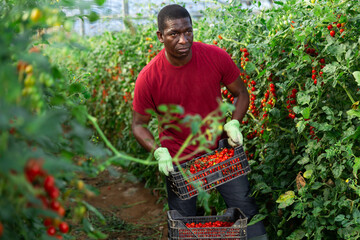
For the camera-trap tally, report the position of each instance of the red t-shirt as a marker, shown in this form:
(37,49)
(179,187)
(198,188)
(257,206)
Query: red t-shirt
(195,86)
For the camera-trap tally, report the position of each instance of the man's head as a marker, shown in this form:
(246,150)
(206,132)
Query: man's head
(176,33)
(171,12)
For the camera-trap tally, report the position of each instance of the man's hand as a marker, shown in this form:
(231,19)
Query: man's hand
(164,159)
(232,129)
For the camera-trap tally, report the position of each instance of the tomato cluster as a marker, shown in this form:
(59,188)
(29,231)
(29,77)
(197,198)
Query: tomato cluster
(205,162)
(38,177)
(291,102)
(209,224)
(312,133)
(339,26)
(227,95)
(245,58)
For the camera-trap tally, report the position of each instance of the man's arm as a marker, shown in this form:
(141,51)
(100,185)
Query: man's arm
(141,133)
(239,91)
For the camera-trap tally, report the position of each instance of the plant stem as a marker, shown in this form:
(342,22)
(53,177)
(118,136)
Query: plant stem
(114,150)
(347,92)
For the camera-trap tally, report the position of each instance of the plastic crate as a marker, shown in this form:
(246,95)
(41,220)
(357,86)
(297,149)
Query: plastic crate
(211,177)
(179,230)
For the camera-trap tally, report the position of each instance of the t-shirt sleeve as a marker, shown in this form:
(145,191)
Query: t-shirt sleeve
(228,69)
(142,96)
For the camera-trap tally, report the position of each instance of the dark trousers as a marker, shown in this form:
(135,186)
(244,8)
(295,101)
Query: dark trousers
(236,193)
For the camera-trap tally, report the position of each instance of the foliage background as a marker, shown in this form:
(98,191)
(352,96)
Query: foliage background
(304,180)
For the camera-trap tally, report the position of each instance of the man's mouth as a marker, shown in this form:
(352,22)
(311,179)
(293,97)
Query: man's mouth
(183,49)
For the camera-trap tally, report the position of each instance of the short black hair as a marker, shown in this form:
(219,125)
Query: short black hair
(170,12)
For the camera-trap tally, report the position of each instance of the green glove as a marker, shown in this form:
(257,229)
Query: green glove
(164,159)
(232,129)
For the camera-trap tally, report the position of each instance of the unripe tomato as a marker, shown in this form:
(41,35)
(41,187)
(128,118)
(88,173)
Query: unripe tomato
(35,15)
(29,81)
(80,184)
(29,69)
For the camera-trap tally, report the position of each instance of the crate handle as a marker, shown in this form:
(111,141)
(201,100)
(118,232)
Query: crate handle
(213,177)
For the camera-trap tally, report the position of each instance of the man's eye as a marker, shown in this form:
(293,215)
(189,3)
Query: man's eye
(173,34)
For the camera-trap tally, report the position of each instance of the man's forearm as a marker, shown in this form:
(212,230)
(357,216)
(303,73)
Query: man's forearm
(241,106)
(145,138)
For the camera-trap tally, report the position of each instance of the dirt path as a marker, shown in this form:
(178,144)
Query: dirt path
(131,211)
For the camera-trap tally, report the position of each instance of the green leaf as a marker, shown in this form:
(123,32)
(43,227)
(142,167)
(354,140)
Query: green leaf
(337,169)
(316,185)
(348,54)
(80,113)
(250,67)
(286,199)
(76,88)
(279,3)
(300,126)
(256,218)
(95,211)
(195,124)
(308,173)
(329,68)
(325,127)
(163,108)
(357,77)
(100,2)
(297,235)
(306,113)
(306,58)
(353,112)
(339,217)
(303,98)
(303,161)
(356,166)
(93,16)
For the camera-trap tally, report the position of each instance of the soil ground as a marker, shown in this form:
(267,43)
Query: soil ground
(131,210)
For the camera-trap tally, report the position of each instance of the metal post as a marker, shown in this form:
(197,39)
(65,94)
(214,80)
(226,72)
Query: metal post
(125,8)
(82,24)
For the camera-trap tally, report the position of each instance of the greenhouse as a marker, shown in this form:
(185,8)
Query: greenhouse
(193,119)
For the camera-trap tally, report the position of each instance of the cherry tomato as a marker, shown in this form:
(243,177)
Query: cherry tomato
(64,227)
(51,231)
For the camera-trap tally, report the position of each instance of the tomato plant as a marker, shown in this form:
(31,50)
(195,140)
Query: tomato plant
(300,63)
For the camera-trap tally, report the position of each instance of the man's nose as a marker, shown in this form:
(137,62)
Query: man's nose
(183,39)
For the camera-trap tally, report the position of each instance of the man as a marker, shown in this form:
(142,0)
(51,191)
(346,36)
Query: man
(190,74)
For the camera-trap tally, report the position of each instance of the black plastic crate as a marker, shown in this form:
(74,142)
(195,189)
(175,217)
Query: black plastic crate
(179,230)
(212,176)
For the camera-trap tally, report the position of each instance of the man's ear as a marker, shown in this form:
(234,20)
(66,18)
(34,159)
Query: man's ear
(160,36)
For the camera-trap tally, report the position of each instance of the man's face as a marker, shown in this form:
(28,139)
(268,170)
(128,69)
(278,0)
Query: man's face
(177,37)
